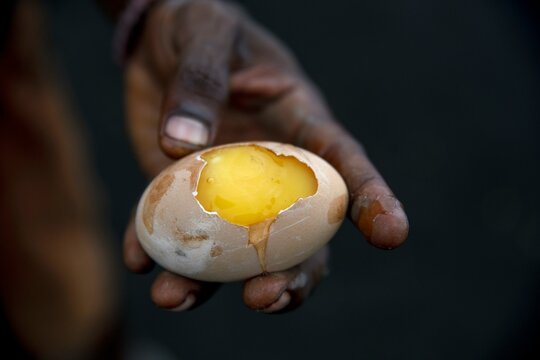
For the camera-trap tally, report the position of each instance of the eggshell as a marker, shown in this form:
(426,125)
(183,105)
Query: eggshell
(185,239)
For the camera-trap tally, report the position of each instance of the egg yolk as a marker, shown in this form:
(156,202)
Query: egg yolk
(248,184)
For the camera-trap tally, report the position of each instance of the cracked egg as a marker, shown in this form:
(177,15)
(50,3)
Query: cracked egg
(235,211)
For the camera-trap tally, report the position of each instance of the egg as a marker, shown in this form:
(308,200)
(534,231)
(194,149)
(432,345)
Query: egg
(235,211)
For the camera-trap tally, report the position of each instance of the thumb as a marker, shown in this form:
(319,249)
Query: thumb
(189,117)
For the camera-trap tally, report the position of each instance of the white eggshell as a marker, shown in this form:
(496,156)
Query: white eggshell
(183,238)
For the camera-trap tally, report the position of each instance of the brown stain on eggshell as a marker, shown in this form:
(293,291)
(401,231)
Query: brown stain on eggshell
(152,200)
(195,170)
(190,238)
(216,251)
(194,237)
(337,209)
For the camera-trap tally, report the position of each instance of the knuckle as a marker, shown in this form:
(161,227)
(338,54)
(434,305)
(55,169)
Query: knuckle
(203,82)
(322,136)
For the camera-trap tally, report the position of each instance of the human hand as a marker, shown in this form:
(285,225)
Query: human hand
(204,73)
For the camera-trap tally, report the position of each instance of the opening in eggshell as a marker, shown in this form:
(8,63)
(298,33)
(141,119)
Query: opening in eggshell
(249,184)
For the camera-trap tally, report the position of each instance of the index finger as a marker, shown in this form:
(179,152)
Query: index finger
(302,118)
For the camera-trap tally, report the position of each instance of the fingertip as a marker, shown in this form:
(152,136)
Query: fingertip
(171,292)
(389,231)
(137,261)
(186,304)
(182,135)
(262,291)
(280,304)
(187,129)
(178,293)
(381,219)
(135,258)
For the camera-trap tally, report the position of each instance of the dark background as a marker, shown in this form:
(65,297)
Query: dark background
(444,96)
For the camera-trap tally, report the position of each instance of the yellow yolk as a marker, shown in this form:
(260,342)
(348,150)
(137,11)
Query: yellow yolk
(246,185)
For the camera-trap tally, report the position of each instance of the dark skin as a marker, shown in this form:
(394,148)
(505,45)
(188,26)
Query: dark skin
(204,73)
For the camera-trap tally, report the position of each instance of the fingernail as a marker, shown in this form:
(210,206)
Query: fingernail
(188,302)
(186,129)
(280,304)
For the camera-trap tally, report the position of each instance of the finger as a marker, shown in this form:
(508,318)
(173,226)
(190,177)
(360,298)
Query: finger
(200,87)
(268,72)
(135,258)
(285,290)
(257,86)
(178,293)
(302,118)
(298,114)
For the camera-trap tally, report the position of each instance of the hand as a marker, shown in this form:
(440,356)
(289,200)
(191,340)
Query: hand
(204,73)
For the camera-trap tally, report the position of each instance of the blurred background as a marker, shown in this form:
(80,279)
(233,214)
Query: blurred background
(445,97)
